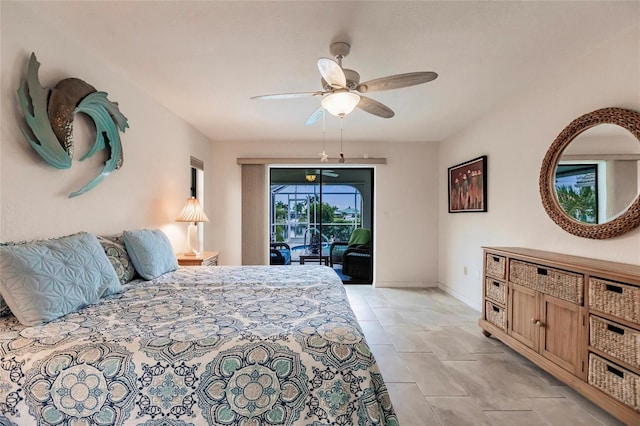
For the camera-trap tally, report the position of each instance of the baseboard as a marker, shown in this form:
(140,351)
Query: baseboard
(403,284)
(461,297)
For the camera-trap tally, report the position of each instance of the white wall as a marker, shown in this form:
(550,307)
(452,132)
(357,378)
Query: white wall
(148,191)
(406,191)
(516,136)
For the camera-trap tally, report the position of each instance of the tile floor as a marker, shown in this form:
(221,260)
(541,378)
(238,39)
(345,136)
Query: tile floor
(441,370)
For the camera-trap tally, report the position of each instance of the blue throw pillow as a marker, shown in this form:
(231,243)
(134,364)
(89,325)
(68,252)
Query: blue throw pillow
(150,252)
(45,280)
(4,308)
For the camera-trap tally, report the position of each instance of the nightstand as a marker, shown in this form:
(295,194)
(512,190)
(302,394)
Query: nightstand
(206,258)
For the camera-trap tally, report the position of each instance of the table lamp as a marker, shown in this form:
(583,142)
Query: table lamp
(193,213)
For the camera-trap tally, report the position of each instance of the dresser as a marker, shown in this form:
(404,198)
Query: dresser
(206,258)
(575,317)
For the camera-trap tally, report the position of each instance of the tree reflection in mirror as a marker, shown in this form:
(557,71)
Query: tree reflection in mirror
(577,192)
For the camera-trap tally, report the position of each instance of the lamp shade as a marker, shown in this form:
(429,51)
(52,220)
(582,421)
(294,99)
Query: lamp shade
(340,103)
(192,212)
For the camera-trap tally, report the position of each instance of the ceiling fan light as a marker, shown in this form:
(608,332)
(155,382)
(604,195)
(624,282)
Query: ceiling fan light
(340,103)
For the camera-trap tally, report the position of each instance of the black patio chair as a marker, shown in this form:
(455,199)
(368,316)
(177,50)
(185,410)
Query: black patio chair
(280,254)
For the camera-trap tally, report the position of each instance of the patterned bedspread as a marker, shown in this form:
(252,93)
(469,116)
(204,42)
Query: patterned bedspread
(250,345)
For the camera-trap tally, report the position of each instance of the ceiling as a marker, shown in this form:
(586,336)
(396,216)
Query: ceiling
(203,60)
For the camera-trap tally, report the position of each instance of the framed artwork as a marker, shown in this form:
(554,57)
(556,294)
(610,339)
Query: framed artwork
(468,186)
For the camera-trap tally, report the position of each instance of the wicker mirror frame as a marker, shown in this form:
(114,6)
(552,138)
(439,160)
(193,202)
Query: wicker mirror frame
(624,222)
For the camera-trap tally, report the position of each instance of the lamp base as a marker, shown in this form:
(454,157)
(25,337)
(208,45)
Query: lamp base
(193,240)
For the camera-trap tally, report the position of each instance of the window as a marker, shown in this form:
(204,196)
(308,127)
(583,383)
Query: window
(312,208)
(197,178)
(197,188)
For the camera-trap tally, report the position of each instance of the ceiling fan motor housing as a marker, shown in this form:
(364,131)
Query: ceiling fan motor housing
(353,78)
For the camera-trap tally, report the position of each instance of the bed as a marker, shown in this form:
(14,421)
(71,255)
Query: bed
(225,345)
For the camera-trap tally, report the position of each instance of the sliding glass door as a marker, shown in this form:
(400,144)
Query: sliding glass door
(314,213)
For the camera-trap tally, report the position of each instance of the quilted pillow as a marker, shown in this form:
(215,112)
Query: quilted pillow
(151,252)
(5,311)
(116,251)
(45,280)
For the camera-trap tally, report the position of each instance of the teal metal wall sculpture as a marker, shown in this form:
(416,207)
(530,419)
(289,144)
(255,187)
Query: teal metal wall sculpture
(50,113)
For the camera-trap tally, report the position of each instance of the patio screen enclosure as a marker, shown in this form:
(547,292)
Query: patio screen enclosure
(319,205)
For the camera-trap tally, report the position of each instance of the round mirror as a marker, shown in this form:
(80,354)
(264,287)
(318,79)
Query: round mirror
(597,174)
(590,177)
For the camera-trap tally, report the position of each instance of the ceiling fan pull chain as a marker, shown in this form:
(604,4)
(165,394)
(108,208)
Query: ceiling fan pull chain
(341,160)
(324,129)
(324,158)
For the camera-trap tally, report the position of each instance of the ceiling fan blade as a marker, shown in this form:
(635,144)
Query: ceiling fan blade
(332,73)
(329,173)
(317,115)
(289,95)
(375,107)
(396,81)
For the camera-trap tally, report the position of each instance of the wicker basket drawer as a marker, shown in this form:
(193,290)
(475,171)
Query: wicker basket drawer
(495,290)
(212,261)
(621,384)
(495,265)
(496,315)
(610,297)
(620,342)
(554,282)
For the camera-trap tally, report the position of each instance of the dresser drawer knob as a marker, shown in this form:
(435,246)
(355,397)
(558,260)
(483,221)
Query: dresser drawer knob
(496,284)
(495,309)
(542,271)
(537,322)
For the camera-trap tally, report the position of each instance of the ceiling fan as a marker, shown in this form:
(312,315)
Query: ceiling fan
(340,85)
